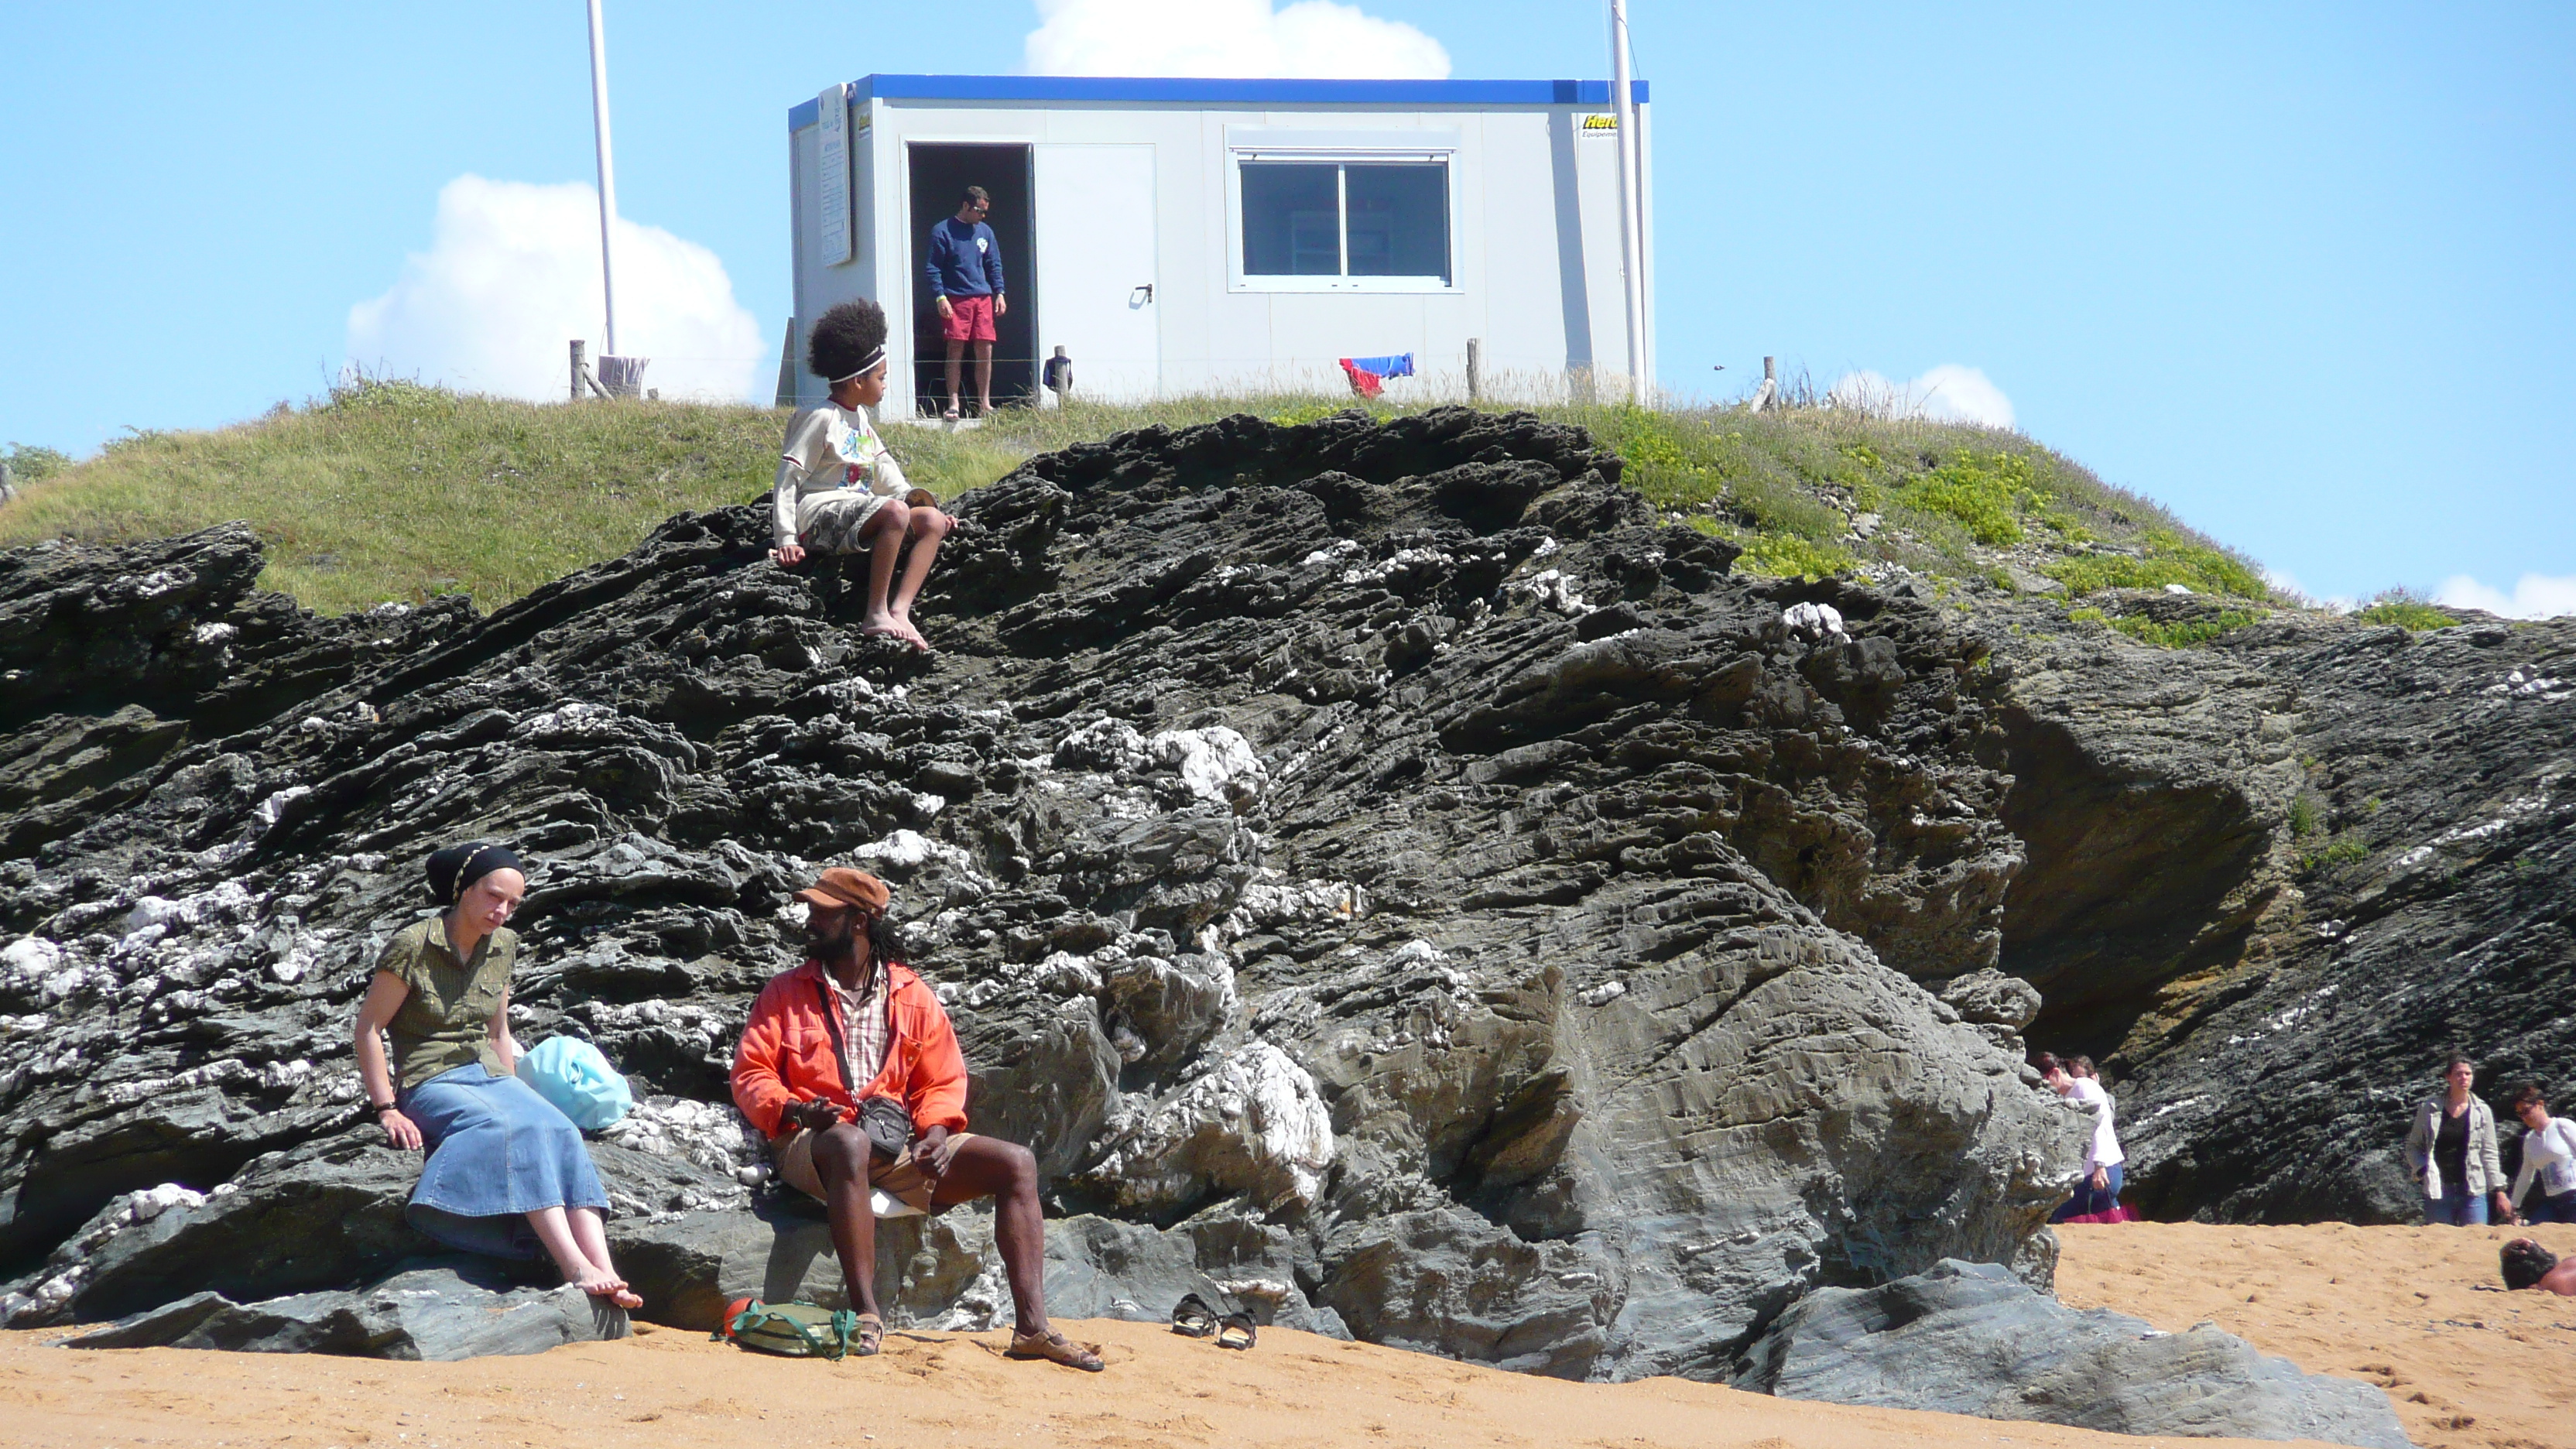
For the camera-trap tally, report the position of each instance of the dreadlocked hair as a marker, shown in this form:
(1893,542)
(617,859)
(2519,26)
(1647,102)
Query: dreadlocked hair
(842,338)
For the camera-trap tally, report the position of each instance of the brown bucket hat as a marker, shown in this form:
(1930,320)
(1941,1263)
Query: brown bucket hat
(842,886)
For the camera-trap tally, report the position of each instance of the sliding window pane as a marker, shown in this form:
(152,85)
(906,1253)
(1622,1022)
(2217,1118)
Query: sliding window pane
(1291,220)
(1399,219)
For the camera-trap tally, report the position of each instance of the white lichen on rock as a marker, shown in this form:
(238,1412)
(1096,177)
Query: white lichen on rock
(1254,1123)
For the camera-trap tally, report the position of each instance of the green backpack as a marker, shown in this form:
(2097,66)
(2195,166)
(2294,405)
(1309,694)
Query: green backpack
(795,1330)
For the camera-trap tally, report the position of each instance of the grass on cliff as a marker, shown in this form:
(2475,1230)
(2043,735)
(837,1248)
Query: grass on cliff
(1790,485)
(393,490)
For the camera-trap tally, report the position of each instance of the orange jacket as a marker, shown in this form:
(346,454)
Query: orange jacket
(786,1053)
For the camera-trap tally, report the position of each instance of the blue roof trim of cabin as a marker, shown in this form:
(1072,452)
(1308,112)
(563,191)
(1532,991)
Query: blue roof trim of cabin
(1205,91)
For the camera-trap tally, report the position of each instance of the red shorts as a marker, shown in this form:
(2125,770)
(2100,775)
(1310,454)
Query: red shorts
(970,319)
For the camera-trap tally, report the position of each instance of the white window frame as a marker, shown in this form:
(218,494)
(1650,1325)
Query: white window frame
(1443,154)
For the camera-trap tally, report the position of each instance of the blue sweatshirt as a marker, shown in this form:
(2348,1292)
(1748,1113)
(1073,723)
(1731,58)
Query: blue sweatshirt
(965,259)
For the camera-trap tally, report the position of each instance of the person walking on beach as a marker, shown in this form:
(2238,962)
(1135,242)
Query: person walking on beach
(2451,1147)
(2103,1159)
(2549,1154)
(851,1069)
(966,286)
(507,1171)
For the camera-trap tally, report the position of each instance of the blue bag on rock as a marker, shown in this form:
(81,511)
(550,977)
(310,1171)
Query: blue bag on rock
(571,1073)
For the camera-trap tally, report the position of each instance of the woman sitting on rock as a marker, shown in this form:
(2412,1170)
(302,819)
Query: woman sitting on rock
(2451,1145)
(507,1171)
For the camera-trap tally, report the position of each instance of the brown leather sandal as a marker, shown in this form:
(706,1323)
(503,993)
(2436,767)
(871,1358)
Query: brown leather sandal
(1054,1347)
(871,1336)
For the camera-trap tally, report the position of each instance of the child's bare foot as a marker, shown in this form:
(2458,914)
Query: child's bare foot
(904,630)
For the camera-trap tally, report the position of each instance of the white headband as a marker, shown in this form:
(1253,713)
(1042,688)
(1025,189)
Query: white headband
(867,364)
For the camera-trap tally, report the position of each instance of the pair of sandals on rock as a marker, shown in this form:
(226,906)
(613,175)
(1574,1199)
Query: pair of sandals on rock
(1195,1317)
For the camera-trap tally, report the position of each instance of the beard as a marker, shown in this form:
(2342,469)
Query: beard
(838,941)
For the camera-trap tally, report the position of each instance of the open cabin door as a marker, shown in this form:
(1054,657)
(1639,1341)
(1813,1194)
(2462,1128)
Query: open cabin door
(1095,252)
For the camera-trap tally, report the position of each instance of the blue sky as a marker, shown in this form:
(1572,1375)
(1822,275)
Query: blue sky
(2300,272)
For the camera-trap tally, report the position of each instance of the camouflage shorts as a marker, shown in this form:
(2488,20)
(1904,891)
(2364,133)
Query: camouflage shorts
(841,526)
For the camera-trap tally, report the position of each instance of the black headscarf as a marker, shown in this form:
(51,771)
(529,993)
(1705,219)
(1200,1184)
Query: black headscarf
(454,870)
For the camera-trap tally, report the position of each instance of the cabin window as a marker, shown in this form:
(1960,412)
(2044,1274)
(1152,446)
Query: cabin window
(1334,220)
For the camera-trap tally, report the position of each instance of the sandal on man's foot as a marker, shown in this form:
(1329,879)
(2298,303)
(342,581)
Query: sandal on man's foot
(871,1336)
(1054,1347)
(1193,1318)
(1234,1331)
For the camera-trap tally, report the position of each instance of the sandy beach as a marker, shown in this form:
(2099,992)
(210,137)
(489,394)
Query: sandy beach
(2413,1310)
(2418,1311)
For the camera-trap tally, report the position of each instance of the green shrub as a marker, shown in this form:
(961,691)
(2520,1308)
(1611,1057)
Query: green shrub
(2304,814)
(2168,559)
(2185,634)
(2406,609)
(28,462)
(1982,493)
(1788,556)
(2344,850)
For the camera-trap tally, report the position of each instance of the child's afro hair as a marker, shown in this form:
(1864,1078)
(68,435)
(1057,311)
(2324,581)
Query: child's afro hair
(843,337)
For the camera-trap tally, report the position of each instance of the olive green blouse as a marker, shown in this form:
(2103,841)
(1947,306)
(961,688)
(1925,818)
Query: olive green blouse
(446,1021)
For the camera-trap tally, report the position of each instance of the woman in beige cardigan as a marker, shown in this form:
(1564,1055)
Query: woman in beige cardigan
(2451,1145)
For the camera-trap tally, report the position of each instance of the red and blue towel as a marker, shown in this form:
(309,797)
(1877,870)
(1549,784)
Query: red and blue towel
(1368,375)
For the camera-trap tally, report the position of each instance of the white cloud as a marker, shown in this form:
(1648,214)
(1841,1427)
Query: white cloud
(1948,393)
(2286,582)
(2535,596)
(1309,39)
(512,275)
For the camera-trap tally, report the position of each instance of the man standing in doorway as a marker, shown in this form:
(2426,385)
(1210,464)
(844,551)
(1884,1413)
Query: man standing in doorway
(966,286)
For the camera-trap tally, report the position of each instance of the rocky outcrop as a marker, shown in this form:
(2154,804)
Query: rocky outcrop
(2276,878)
(1374,866)
(1967,1338)
(433,1314)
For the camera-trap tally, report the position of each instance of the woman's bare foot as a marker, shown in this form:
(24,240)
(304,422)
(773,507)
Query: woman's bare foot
(599,1283)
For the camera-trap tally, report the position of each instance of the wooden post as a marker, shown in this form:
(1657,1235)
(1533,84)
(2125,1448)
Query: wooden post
(1475,368)
(1057,374)
(580,365)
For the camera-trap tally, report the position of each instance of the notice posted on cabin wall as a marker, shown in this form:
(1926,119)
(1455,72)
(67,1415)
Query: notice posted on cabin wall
(832,108)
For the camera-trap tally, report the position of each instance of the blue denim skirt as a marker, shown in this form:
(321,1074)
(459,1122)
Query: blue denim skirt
(497,1152)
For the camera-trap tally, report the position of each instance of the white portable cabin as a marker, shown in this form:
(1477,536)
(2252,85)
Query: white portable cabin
(1181,236)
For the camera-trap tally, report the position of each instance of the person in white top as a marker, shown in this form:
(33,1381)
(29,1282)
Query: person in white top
(2073,1079)
(2549,1154)
(839,491)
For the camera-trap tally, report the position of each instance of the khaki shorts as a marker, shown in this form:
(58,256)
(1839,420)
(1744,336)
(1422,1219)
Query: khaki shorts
(900,1179)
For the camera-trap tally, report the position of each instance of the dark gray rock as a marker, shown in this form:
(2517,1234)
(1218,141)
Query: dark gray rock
(942,1272)
(1969,1338)
(437,1314)
(2275,879)
(1385,837)
(322,1215)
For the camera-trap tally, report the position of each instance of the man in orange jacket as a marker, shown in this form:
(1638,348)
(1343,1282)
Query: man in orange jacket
(850,1067)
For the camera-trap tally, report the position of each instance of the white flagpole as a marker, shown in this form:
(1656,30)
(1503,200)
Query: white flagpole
(1632,221)
(607,173)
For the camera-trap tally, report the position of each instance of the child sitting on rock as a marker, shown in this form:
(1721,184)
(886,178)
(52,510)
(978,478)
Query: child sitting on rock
(839,491)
